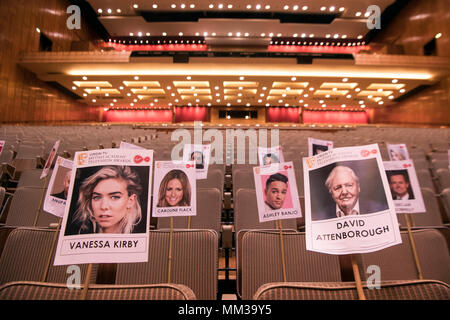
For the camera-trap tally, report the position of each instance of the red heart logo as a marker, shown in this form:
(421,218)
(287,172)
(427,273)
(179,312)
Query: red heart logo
(401,147)
(365,153)
(374,151)
(138,159)
(188,166)
(147,159)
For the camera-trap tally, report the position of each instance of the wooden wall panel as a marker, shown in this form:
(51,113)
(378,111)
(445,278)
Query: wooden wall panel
(414,26)
(23,97)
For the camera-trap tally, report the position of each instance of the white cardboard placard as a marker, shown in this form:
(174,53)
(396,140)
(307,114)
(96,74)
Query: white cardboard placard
(90,230)
(57,191)
(267,156)
(316,146)
(201,155)
(349,209)
(404,185)
(397,152)
(50,158)
(174,191)
(276,192)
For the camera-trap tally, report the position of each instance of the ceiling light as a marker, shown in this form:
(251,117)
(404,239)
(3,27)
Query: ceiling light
(211,6)
(263,34)
(99,10)
(344,36)
(348,96)
(295,35)
(324,105)
(391,97)
(246,34)
(323,8)
(360,36)
(320,101)
(84,78)
(230,6)
(279,35)
(164,34)
(173,6)
(93,100)
(402,90)
(249,6)
(358,14)
(238,34)
(357,89)
(180,34)
(136,78)
(381,102)
(109,10)
(305,8)
(192,6)
(220,6)
(341,9)
(286,7)
(394,81)
(332,8)
(343,105)
(155,6)
(183,6)
(271,34)
(248,104)
(438,35)
(367,14)
(230,34)
(264,88)
(267,7)
(135,6)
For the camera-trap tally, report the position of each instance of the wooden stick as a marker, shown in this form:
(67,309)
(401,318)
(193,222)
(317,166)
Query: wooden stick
(47,265)
(189,222)
(357,277)
(169,266)
(36,215)
(413,248)
(86,283)
(283,263)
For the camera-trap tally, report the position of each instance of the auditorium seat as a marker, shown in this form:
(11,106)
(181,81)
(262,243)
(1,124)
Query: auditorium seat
(430,218)
(33,290)
(32,178)
(243,179)
(214,179)
(26,208)
(209,211)
(443,176)
(26,253)
(397,262)
(425,179)
(390,290)
(194,262)
(261,261)
(445,196)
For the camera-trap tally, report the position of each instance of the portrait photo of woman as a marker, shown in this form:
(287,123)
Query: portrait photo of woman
(174,190)
(108,201)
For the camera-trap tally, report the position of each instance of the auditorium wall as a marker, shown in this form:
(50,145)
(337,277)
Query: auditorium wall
(23,97)
(413,27)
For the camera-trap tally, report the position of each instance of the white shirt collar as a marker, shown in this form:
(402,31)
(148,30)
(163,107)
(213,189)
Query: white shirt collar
(354,211)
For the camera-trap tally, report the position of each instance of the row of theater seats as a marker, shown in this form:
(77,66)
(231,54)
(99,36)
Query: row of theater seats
(226,220)
(194,266)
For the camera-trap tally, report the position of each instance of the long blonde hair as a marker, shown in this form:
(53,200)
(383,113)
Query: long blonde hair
(85,215)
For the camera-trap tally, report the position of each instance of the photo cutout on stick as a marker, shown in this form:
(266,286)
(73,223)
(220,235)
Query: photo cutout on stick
(106,218)
(276,192)
(348,203)
(397,152)
(404,186)
(317,146)
(58,188)
(268,156)
(174,189)
(200,154)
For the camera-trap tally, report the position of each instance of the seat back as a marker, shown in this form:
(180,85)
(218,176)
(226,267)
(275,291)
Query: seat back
(389,290)
(25,256)
(432,216)
(194,262)
(33,290)
(209,212)
(25,206)
(261,260)
(397,262)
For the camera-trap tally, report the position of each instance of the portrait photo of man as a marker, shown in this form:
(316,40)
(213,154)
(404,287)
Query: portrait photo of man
(66,184)
(275,191)
(400,185)
(270,158)
(345,192)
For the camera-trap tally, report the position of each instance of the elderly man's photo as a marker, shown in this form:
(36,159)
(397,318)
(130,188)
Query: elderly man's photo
(344,194)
